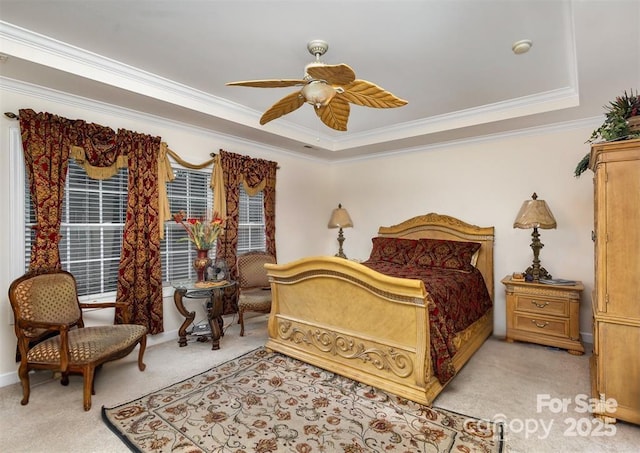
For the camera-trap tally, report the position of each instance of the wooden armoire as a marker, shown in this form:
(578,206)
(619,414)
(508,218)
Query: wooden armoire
(615,364)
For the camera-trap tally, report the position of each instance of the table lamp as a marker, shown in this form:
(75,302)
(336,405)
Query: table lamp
(340,219)
(535,214)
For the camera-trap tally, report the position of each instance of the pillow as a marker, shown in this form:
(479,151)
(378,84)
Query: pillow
(445,254)
(393,250)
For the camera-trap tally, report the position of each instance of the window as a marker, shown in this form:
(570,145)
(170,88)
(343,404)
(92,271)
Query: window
(189,192)
(93,216)
(251,225)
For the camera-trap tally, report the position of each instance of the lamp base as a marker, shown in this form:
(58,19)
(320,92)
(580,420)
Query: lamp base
(535,272)
(340,253)
(530,274)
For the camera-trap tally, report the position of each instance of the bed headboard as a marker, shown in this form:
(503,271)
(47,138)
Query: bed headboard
(438,226)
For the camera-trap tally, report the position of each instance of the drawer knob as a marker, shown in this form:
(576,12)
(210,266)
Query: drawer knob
(541,325)
(539,305)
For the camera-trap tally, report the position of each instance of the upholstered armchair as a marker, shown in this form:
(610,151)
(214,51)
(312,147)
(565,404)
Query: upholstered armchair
(51,333)
(254,290)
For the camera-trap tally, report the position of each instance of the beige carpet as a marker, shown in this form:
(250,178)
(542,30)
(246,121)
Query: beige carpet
(501,378)
(267,402)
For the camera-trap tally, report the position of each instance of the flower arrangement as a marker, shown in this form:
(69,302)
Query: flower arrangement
(616,125)
(202,233)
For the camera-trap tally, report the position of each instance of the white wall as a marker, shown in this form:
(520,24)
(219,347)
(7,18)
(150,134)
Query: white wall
(483,183)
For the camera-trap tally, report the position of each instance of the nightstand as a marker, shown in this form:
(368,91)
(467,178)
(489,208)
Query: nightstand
(544,314)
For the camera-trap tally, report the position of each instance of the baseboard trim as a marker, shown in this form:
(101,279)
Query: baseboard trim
(172,335)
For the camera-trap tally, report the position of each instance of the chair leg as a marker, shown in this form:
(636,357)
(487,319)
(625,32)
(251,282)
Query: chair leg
(88,374)
(23,373)
(143,346)
(241,321)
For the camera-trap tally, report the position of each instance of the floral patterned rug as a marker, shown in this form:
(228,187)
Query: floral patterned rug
(267,402)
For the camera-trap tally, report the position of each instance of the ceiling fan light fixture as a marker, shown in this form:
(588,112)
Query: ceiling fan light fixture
(318,93)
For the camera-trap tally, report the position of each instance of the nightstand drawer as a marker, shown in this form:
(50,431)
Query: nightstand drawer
(542,324)
(551,307)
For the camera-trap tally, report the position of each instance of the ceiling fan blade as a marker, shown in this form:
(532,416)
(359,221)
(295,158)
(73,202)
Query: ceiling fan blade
(285,105)
(337,74)
(335,114)
(275,83)
(367,94)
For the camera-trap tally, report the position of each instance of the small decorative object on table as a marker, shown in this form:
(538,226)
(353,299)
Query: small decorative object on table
(557,281)
(203,234)
(218,271)
(201,263)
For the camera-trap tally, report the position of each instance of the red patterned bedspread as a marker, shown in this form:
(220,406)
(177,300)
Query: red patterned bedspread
(460,298)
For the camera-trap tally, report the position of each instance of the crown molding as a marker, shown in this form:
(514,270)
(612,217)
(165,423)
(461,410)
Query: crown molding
(59,97)
(40,49)
(49,52)
(72,100)
(524,132)
(514,108)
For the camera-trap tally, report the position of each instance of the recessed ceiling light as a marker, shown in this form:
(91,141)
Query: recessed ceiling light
(522,46)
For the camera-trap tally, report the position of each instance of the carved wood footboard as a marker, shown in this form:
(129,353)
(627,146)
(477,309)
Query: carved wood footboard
(349,319)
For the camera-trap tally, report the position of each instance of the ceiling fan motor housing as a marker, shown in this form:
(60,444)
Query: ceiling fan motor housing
(317,47)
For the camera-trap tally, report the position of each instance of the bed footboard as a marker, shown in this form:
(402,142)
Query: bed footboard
(348,319)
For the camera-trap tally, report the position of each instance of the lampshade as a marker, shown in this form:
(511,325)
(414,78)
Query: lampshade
(535,213)
(340,218)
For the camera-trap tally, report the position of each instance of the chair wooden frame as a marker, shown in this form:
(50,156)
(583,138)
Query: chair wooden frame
(55,340)
(254,293)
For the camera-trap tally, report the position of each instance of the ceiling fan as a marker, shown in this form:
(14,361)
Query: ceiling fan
(328,88)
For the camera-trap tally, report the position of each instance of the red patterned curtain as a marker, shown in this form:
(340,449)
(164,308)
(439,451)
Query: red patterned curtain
(256,175)
(140,273)
(46,140)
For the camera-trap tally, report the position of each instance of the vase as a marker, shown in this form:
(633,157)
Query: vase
(201,263)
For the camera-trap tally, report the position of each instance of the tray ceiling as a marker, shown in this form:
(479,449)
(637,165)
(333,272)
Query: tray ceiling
(451,60)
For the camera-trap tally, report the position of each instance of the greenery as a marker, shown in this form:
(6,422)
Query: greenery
(615,126)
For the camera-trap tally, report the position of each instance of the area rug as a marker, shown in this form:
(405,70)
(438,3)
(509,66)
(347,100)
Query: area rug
(267,402)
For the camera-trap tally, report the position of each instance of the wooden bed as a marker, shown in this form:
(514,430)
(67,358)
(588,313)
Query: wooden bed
(344,317)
